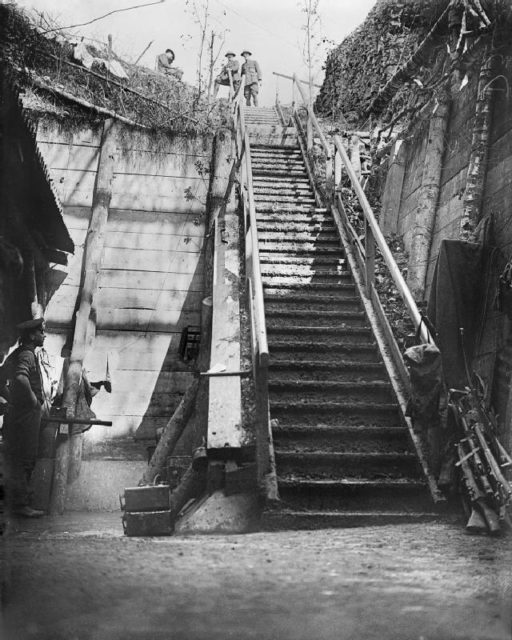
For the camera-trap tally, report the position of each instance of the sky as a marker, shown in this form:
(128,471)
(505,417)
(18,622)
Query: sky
(271,29)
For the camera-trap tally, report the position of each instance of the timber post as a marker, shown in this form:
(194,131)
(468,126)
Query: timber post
(428,196)
(477,166)
(69,445)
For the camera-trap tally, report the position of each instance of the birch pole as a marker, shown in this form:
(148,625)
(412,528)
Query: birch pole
(428,197)
(93,254)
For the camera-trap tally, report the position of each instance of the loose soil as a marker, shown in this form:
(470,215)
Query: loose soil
(78,578)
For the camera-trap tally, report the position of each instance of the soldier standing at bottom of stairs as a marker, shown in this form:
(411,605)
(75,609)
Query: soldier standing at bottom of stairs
(251,74)
(23,420)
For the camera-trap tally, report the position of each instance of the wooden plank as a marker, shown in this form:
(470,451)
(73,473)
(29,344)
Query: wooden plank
(152,193)
(171,165)
(54,155)
(52,132)
(155,143)
(126,351)
(171,261)
(125,221)
(145,382)
(143,402)
(149,299)
(117,298)
(74,187)
(155,241)
(161,320)
(155,193)
(393,189)
(184,265)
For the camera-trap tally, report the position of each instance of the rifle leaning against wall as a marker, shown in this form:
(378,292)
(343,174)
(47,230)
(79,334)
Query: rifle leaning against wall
(481,458)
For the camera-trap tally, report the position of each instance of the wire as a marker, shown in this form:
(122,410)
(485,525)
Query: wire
(83,24)
(255,24)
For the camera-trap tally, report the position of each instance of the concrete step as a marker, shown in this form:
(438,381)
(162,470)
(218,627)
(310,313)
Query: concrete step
(284,190)
(337,318)
(311,228)
(302,234)
(343,299)
(298,520)
(272,136)
(278,200)
(280,182)
(314,271)
(299,216)
(298,437)
(348,495)
(304,260)
(294,331)
(331,350)
(297,281)
(291,307)
(339,465)
(277,244)
(379,391)
(327,370)
(281,171)
(335,413)
(294,167)
(268,154)
(283,288)
(283,208)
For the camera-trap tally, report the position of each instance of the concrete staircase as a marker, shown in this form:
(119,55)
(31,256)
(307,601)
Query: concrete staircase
(343,456)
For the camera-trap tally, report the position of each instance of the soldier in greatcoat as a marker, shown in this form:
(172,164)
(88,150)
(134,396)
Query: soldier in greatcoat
(251,74)
(22,382)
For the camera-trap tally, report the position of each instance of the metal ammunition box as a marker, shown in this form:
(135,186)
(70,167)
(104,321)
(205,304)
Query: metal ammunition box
(148,523)
(150,498)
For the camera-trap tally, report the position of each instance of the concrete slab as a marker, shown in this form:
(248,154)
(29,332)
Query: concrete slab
(221,514)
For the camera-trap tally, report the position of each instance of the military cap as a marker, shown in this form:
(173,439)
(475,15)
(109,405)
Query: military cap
(30,325)
(229,53)
(245,51)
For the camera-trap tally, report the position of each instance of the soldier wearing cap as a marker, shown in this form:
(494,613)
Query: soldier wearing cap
(230,68)
(22,423)
(252,75)
(164,65)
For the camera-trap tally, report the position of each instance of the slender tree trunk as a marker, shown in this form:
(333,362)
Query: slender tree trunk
(93,255)
(428,198)
(473,193)
(172,433)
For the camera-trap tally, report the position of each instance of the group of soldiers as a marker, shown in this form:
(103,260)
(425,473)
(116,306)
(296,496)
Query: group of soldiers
(231,74)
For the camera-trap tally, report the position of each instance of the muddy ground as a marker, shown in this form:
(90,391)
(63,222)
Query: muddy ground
(78,578)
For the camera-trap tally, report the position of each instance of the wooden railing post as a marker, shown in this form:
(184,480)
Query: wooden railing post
(309,133)
(369,258)
(329,179)
(355,156)
(338,167)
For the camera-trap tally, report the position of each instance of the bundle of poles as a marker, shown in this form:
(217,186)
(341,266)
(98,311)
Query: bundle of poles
(482,461)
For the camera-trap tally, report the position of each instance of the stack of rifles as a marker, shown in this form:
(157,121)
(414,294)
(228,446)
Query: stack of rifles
(482,460)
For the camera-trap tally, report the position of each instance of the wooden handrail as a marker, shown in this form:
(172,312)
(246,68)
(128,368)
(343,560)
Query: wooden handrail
(312,118)
(282,75)
(259,304)
(378,236)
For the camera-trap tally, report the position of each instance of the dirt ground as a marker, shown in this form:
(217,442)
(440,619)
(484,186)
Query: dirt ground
(78,578)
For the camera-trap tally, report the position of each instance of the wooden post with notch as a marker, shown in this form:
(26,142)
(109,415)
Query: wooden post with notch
(70,440)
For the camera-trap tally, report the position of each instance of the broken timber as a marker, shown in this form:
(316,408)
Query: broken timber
(69,447)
